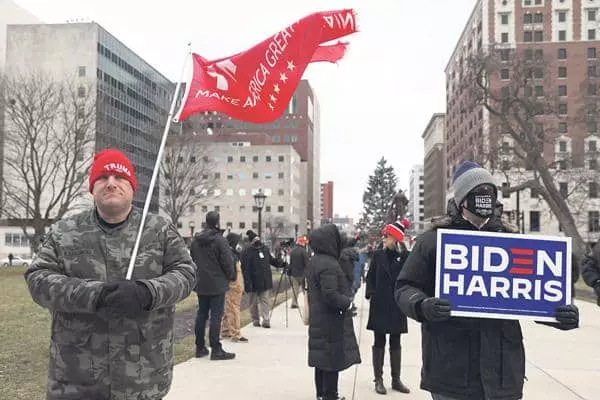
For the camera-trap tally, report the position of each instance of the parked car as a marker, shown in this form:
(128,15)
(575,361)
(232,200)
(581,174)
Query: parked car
(16,262)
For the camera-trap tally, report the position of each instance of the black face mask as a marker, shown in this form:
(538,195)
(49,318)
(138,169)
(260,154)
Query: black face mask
(481,201)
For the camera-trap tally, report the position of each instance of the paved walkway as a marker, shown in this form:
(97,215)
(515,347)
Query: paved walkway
(273,365)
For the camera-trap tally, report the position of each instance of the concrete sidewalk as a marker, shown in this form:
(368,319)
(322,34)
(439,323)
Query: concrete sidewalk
(273,365)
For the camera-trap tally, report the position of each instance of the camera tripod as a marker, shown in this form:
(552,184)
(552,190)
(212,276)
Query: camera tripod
(284,272)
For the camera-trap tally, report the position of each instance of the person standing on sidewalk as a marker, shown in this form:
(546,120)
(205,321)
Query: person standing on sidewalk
(211,254)
(110,337)
(332,345)
(466,358)
(258,278)
(385,318)
(298,262)
(590,270)
(230,327)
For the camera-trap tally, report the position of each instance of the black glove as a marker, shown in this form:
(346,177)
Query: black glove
(567,317)
(597,290)
(125,298)
(435,309)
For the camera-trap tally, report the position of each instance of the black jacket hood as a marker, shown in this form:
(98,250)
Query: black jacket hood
(326,240)
(208,235)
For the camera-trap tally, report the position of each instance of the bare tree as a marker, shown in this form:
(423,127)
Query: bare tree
(186,177)
(523,110)
(48,147)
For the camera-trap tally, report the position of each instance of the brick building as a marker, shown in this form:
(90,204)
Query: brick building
(433,168)
(326,202)
(560,40)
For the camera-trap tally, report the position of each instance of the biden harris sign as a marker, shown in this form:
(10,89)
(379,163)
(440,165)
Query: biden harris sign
(503,275)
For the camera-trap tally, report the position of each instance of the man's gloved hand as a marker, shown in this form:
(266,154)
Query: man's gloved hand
(125,298)
(435,309)
(567,317)
(597,290)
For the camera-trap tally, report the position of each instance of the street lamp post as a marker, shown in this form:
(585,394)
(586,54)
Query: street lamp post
(259,202)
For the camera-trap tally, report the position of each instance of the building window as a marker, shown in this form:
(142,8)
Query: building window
(562,109)
(268,158)
(562,36)
(562,72)
(533,193)
(592,146)
(528,36)
(504,19)
(562,16)
(267,208)
(539,54)
(591,14)
(538,36)
(562,165)
(591,35)
(562,90)
(562,54)
(594,221)
(217,175)
(280,192)
(281,175)
(563,188)
(591,71)
(538,18)
(562,146)
(242,158)
(204,209)
(534,221)
(81,72)
(593,190)
(505,187)
(229,177)
(230,225)
(504,73)
(504,55)
(591,52)
(80,91)
(255,175)
(254,158)
(528,18)
(593,164)
(539,91)
(504,37)
(230,159)
(562,128)
(242,225)
(281,158)
(280,209)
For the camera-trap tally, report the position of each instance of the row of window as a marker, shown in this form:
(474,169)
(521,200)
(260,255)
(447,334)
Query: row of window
(241,225)
(268,208)
(16,240)
(535,217)
(229,192)
(593,190)
(255,159)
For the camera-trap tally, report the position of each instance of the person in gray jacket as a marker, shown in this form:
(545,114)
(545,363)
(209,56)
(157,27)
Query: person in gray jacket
(212,255)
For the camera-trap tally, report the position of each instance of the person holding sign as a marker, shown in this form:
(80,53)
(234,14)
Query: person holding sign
(384,317)
(591,270)
(466,358)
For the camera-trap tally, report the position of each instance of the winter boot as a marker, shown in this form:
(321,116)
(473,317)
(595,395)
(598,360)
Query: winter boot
(218,353)
(395,362)
(201,352)
(378,356)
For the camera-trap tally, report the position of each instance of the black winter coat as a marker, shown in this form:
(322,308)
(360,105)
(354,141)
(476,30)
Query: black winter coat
(331,340)
(590,270)
(256,262)
(212,255)
(463,358)
(348,257)
(384,315)
(298,261)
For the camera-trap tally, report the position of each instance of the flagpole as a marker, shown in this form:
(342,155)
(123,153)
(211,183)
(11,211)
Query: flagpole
(157,166)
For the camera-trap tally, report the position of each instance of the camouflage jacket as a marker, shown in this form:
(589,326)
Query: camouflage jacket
(94,355)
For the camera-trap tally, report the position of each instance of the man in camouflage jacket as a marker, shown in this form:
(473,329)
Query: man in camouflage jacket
(111,338)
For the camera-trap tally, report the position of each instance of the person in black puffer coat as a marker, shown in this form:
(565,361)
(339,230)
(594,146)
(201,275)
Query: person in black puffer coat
(466,358)
(332,345)
(348,257)
(384,315)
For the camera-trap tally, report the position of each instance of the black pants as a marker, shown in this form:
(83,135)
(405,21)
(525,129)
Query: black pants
(215,305)
(326,383)
(380,340)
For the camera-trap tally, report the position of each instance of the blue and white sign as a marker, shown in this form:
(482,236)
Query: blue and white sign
(503,275)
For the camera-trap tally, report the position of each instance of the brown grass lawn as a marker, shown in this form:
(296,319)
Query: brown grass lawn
(25,333)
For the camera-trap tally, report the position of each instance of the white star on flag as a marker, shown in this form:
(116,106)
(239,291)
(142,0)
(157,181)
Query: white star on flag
(283,77)
(273,98)
(271,107)
(291,65)
(276,88)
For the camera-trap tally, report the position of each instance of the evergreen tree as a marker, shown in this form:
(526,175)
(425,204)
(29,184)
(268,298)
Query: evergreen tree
(377,199)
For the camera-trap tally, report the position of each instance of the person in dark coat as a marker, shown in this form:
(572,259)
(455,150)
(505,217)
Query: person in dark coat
(384,315)
(298,262)
(332,345)
(258,279)
(212,255)
(348,258)
(466,358)
(590,270)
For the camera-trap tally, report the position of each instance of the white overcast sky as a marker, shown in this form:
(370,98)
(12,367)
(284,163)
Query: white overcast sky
(376,102)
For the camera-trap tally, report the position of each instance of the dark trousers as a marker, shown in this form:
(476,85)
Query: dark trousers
(326,383)
(215,305)
(380,340)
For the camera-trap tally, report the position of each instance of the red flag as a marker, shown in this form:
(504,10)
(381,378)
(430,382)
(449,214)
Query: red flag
(256,85)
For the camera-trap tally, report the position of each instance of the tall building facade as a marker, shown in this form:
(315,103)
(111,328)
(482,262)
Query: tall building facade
(434,194)
(326,202)
(132,97)
(560,38)
(299,126)
(241,165)
(416,202)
